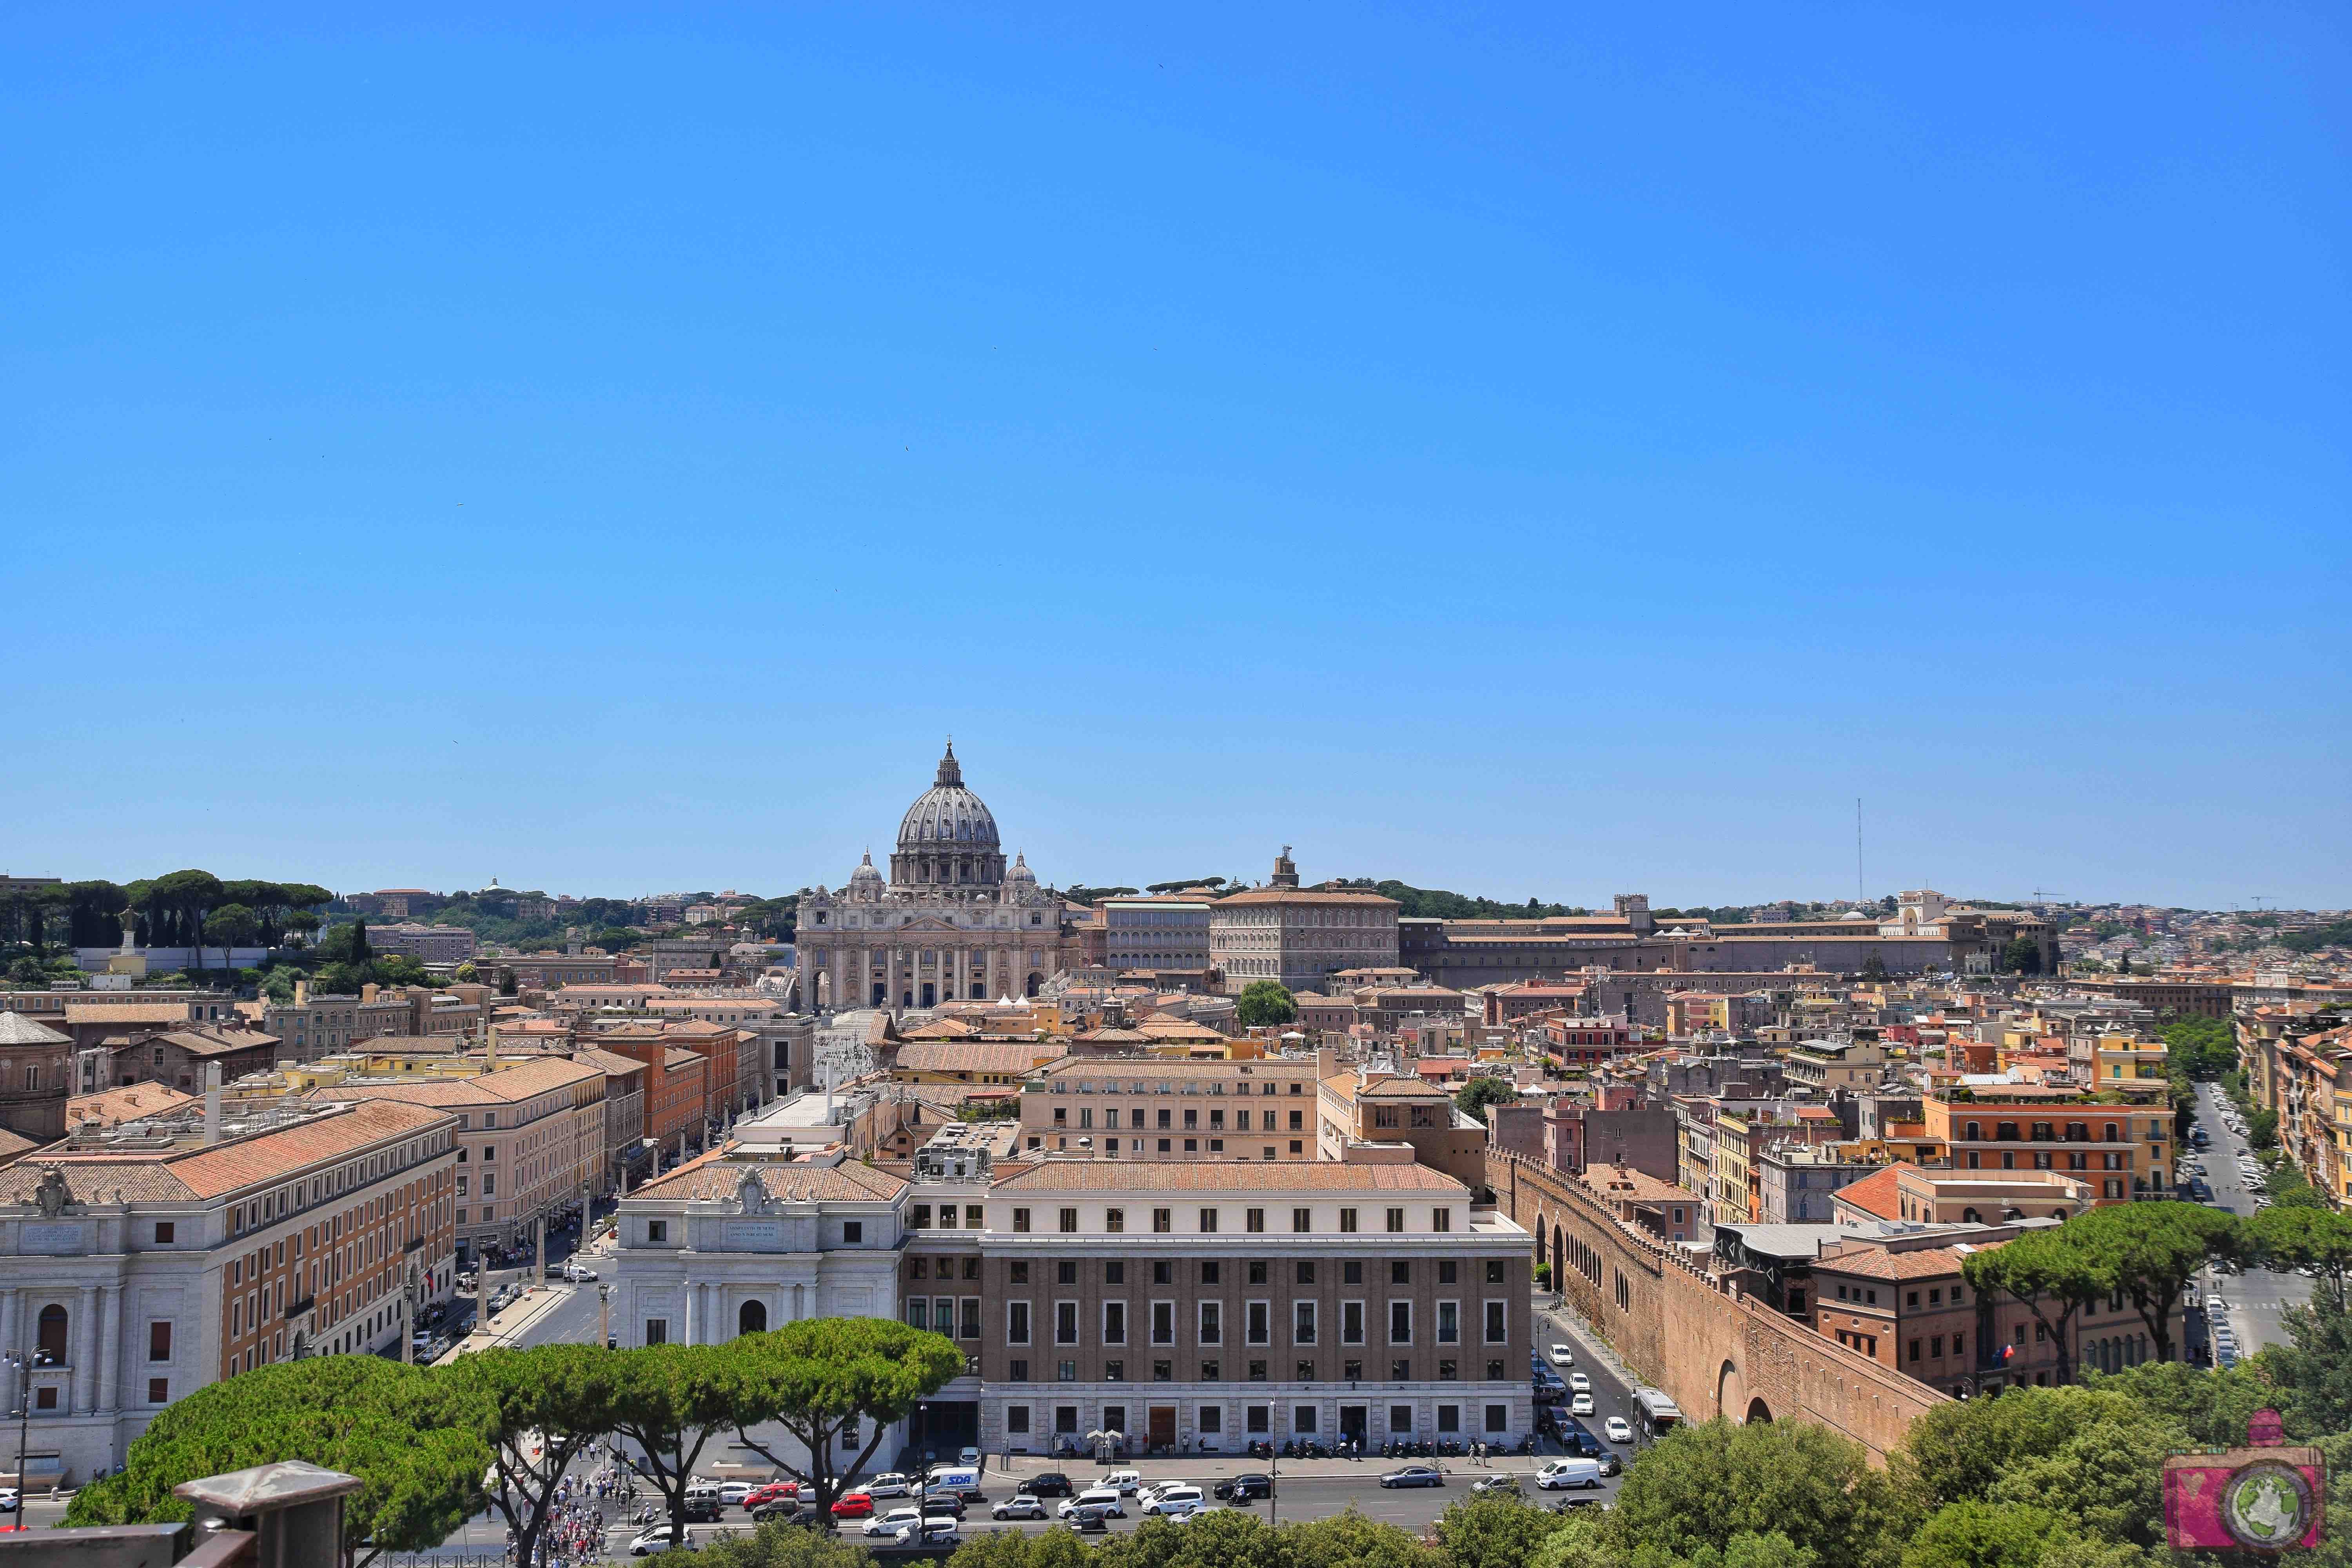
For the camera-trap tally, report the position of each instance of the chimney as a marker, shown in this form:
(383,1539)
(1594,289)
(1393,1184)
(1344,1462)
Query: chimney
(212,1103)
(301,994)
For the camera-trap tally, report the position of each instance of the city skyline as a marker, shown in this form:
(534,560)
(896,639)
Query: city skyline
(1499,451)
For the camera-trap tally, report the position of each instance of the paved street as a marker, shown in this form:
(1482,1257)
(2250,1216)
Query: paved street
(2257,1297)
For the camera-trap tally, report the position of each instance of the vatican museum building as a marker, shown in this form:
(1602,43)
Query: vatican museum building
(953,922)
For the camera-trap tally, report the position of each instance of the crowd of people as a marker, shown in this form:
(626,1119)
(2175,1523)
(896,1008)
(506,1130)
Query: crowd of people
(573,1535)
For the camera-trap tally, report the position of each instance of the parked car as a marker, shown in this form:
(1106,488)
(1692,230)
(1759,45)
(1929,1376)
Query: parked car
(969,1457)
(786,1511)
(1414,1476)
(1126,1482)
(854,1505)
(1495,1484)
(1046,1483)
(1246,1488)
(1021,1505)
(770,1492)
(736,1494)
(10,1500)
(1610,1465)
(1562,1356)
(1093,1516)
(1189,1515)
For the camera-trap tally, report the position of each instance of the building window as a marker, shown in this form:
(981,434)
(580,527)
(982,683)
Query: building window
(1066,1323)
(1257,1321)
(1396,1221)
(1400,1322)
(1209,1222)
(1115,1220)
(1441,1219)
(159,1342)
(1016,1322)
(1302,1327)
(1019,1221)
(1212,1322)
(1498,1322)
(1114,1322)
(1163,1220)
(656,1330)
(166,1232)
(1346,1220)
(1069,1222)
(1449,1322)
(159,1391)
(51,1332)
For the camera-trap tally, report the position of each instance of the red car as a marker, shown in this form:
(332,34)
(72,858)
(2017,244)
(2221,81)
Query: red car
(854,1505)
(774,1491)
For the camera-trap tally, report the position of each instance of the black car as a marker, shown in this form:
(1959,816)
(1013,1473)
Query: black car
(702,1509)
(1047,1483)
(786,1511)
(943,1501)
(1090,1516)
(1245,1488)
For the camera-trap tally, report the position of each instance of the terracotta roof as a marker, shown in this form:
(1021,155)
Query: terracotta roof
(678,1057)
(1882,1263)
(1624,1181)
(610,1063)
(1169,1067)
(15,1146)
(126,1011)
(1874,1193)
(218,1042)
(714,1178)
(1228,1176)
(1303,896)
(942,1029)
(976,1055)
(94,1176)
(502,1087)
(128,1103)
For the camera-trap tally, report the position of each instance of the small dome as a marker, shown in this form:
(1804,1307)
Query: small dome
(866,873)
(1019,872)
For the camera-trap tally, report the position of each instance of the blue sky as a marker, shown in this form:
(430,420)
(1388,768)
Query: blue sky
(1511,449)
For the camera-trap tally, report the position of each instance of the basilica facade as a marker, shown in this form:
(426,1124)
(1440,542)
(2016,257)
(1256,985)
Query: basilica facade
(952,922)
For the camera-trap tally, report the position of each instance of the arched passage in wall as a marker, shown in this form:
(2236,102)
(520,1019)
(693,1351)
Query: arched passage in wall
(1731,1390)
(1560,1260)
(752,1319)
(1759,1412)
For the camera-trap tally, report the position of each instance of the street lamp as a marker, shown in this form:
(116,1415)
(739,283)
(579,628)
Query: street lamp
(23,1365)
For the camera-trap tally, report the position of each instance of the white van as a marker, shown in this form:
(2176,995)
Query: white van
(1558,1474)
(1174,1499)
(1125,1482)
(962,1479)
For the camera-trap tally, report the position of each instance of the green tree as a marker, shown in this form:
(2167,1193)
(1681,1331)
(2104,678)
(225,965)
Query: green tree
(465,974)
(1481,1092)
(231,925)
(1874,967)
(823,1376)
(672,1400)
(1263,1004)
(2312,1370)
(2047,1272)
(1706,1484)
(539,1408)
(2022,955)
(2300,1237)
(413,1442)
(779,1545)
(186,897)
(1494,1531)
(2150,1251)
(1985,1535)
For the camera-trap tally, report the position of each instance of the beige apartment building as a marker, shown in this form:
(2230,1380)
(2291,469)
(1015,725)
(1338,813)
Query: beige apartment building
(1197,1307)
(1299,937)
(150,1258)
(530,1138)
(1159,1107)
(1355,1115)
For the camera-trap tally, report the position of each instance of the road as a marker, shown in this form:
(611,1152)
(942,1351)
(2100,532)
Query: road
(2258,1297)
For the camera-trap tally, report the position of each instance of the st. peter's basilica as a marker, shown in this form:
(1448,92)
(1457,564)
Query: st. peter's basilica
(953,922)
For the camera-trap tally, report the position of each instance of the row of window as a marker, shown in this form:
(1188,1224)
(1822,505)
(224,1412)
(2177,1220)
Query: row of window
(1254,1271)
(1208,1322)
(1257,1420)
(1448,1370)
(1191,1085)
(2045,1131)
(1134,1118)
(1208,1220)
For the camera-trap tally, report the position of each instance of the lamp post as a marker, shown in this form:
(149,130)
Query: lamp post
(22,1365)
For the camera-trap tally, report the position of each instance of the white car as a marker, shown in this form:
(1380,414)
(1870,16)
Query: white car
(1578,1384)
(1176,1508)
(1107,1496)
(1022,1507)
(891,1523)
(1173,1498)
(655,1540)
(890,1483)
(1562,1356)
(1617,1429)
(10,1501)
(936,1531)
(732,1493)
(1198,1510)
(1127,1483)
(1580,1405)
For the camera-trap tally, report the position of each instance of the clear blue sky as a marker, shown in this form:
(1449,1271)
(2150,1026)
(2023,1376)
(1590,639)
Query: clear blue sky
(1536,450)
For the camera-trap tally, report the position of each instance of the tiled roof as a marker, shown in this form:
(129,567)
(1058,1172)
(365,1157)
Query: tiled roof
(1228,1176)
(1624,1183)
(1303,896)
(126,1103)
(15,1146)
(15,1029)
(1874,1193)
(610,1063)
(94,1176)
(126,1011)
(1167,1067)
(504,1085)
(1881,1263)
(715,1178)
(218,1042)
(976,1055)
(942,1029)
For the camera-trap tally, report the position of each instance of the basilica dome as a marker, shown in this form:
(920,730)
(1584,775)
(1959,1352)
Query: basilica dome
(948,837)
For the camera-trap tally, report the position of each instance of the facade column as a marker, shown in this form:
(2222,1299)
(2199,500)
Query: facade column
(962,972)
(693,1296)
(10,1324)
(110,1352)
(83,1396)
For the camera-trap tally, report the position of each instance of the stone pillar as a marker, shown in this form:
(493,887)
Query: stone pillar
(11,1326)
(81,1398)
(110,1352)
(963,972)
(693,1296)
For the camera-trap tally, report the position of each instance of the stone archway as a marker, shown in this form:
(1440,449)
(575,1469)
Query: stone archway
(752,1319)
(1560,1259)
(1759,1412)
(1730,1391)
